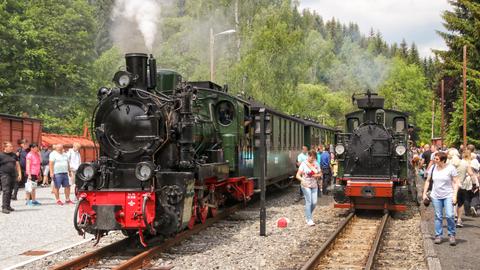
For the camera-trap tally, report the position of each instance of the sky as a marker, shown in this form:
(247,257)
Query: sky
(414,20)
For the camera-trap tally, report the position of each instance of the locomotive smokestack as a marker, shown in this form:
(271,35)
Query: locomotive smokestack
(152,72)
(137,65)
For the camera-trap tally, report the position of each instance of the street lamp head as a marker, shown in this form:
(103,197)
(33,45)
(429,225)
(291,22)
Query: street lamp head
(231,31)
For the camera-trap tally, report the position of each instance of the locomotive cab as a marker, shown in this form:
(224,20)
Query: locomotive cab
(372,158)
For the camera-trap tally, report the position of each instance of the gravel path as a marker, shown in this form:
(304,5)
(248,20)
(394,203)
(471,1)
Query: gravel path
(235,243)
(402,247)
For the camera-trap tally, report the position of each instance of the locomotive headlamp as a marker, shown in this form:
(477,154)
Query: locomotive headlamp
(144,171)
(122,79)
(86,171)
(339,149)
(400,150)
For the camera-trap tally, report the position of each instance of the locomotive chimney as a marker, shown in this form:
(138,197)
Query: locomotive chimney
(137,65)
(152,72)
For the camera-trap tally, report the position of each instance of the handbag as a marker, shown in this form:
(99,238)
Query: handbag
(427,200)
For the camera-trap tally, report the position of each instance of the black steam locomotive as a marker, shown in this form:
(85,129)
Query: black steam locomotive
(172,152)
(373,158)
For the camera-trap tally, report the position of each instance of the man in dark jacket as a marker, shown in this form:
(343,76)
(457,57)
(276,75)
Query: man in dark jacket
(9,170)
(22,159)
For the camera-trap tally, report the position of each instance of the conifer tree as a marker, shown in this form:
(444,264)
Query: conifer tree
(462,29)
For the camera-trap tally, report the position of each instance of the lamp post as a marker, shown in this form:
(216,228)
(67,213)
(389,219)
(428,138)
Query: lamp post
(212,42)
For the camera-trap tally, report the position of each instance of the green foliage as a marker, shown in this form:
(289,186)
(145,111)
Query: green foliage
(462,30)
(405,90)
(46,58)
(54,55)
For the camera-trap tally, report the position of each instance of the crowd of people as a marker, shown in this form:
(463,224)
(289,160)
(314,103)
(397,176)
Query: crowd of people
(32,165)
(316,167)
(451,184)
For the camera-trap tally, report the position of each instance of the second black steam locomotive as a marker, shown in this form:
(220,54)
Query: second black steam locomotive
(373,158)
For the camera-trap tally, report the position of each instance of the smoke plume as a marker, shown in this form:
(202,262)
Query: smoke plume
(131,17)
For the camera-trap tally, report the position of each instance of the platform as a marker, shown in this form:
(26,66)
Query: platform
(36,230)
(466,254)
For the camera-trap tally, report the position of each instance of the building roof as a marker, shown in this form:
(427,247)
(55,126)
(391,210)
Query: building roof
(66,140)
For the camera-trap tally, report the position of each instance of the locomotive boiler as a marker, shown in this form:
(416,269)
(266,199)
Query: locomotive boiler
(172,152)
(160,168)
(372,155)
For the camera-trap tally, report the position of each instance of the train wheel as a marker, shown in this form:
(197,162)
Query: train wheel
(213,211)
(203,213)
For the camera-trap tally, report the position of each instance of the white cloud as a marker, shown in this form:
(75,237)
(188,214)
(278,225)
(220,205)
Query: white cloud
(414,20)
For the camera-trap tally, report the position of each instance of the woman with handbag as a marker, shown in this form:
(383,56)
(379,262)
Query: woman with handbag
(33,173)
(443,195)
(307,174)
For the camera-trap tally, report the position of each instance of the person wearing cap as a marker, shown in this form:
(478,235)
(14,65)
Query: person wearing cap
(45,154)
(32,168)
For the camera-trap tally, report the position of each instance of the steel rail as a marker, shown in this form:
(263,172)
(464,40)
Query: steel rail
(92,257)
(376,242)
(143,259)
(313,261)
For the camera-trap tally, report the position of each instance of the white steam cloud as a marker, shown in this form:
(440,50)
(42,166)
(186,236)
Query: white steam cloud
(144,15)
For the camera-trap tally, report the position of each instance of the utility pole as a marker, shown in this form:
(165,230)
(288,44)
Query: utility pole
(442,125)
(237,28)
(433,116)
(212,39)
(465,96)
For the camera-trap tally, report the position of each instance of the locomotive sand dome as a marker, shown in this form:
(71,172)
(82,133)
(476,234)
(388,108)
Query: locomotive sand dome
(171,154)
(372,156)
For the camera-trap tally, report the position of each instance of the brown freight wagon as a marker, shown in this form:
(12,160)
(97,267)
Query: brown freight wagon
(14,128)
(87,152)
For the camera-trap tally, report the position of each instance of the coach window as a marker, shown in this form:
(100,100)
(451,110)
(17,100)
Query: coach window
(399,124)
(225,112)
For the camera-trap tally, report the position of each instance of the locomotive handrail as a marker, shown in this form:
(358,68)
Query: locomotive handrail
(144,214)
(75,217)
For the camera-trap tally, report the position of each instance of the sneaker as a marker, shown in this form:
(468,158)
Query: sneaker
(473,211)
(35,202)
(69,202)
(29,203)
(310,223)
(9,208)
(59,202)
(5,211)
(459,224)
(437,240)
(452,240)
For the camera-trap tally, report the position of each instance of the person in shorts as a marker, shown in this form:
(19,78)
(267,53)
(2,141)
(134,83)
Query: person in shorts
(59,169)
(45,154)
(32,170)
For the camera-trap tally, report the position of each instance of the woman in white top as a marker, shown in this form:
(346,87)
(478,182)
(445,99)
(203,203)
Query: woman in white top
(467,179)
(307,174)
(443,195)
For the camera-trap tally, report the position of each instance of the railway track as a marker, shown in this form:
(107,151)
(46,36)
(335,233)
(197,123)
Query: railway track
(124,254)
(353,245)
